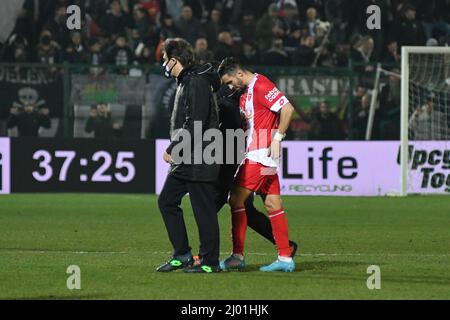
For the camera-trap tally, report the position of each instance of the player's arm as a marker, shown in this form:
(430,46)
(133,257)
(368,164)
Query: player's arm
(286,114)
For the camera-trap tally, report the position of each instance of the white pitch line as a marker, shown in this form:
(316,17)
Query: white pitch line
(249,253)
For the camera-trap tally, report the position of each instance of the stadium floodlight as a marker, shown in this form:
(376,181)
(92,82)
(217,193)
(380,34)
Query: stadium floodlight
(425,99)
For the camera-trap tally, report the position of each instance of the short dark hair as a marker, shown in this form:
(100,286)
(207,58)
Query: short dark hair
(229,66)
(179,49)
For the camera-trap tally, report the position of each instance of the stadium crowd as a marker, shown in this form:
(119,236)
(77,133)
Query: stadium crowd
(323,33)
(260,32)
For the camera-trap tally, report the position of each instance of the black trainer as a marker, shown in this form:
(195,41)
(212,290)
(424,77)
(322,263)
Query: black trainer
(202,268)
(293,247)
(176,263)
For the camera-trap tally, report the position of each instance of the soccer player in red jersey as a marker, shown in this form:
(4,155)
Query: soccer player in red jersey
(268,114)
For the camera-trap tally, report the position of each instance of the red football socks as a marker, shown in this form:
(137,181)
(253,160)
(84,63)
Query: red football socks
(280,232)
(239,227)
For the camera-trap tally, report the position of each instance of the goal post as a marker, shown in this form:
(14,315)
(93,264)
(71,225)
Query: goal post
(425,81)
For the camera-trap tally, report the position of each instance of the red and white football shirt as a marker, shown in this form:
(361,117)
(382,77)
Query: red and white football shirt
(260,104)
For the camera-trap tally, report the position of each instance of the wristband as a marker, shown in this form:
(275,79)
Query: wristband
(279,136)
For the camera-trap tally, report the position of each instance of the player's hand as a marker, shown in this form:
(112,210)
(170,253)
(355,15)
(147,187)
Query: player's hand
(167,158)
(274,151)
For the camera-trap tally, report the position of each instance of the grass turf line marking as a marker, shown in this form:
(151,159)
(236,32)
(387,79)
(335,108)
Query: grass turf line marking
(225,253)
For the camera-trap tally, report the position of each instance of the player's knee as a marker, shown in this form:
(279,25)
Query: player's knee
(272,204)
(235,202)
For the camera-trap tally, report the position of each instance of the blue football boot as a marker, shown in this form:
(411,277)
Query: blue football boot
(232,263)
(279,266)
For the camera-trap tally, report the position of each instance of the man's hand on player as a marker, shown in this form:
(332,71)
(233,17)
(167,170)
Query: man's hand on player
(167,158)
(274,151)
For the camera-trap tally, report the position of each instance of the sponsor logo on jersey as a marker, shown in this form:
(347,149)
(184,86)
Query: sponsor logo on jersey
(272,94)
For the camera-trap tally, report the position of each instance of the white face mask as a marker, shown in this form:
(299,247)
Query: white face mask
(167,71)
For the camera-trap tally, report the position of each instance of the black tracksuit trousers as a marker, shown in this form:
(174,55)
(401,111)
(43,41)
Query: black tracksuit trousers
(201,195)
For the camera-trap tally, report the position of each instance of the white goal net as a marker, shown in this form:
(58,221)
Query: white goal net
(425,120)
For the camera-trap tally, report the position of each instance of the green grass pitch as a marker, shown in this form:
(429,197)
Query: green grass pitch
(119,240)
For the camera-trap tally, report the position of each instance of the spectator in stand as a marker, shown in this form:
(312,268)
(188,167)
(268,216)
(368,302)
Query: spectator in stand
(224,47)
(391,54)
(363,60)
(201,8)
(267,27)
(168,27)
(143,34)
(410,31)
(141,23)
(116,20)
(247,27)
(213,27)
(189,27)
(20,54)
(325,57)
(429,122)
(76,52)
(311,21)
(249,55)
(303,6)
(95,56)
(361,117)
(202,54)
(48,51)
(389,110)
(16,50)
(341,54)
(305,54)
(325,124)
(292,27)
(121,54)
(351,111)
(58,26)
(101,123)
(337,14)
(29,120)
(231,10)
(276,56)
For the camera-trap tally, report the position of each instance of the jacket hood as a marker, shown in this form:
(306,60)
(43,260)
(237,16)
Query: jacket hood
(206,71)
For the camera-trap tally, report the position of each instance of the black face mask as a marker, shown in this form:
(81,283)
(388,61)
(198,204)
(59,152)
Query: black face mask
(168,72)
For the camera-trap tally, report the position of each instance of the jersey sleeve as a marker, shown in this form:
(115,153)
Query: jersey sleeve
(269,96)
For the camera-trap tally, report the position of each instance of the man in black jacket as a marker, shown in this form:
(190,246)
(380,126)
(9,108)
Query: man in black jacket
(29,120)
(194,106)
(101,123)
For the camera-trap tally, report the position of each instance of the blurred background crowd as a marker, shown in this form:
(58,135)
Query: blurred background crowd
(305,33)
(260,32)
